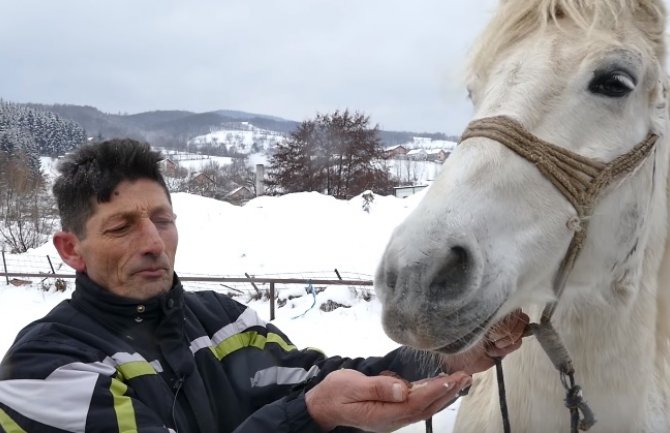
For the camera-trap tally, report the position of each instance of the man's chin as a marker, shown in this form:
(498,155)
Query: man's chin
(147,288)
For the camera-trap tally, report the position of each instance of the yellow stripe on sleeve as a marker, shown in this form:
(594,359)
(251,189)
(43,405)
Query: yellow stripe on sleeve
(123,407)
(8,424)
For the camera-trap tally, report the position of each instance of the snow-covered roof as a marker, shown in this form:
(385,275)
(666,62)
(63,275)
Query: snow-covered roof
(417,152)
(238,189)
(443,144)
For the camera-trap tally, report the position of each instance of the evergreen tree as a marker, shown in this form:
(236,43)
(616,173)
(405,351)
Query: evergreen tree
(51,134)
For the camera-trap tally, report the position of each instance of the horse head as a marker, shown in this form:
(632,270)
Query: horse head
(583,78)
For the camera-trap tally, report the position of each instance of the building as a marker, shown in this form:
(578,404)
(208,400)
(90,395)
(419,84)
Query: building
(239,195)
(439,155)
(169,167)
(417,154)
(203,180)
(395,152)
(406,191)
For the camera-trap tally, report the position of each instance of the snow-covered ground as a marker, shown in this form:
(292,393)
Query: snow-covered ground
(303,235)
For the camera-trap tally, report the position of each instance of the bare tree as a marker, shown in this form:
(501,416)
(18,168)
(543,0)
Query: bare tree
(26,210)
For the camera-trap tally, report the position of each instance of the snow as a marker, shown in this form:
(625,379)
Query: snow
(242,136)
(303,235)
(413,172)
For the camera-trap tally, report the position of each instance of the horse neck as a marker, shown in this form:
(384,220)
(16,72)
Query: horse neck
(663,294)
(612,343)
(615,346)
(607,324)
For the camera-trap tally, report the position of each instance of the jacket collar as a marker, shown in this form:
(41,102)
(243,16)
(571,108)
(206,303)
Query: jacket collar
(113,309)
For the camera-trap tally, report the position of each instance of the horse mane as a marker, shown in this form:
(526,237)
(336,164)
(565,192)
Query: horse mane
(663,303)
(516,19)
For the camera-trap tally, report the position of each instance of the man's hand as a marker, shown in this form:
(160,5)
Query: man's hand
(379,403)
(503,338)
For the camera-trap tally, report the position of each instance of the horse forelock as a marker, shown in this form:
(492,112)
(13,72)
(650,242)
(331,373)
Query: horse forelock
(517,19)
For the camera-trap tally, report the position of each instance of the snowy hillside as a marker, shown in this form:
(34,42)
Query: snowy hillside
(241,137)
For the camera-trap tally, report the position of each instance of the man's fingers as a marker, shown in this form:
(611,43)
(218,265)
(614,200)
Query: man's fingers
(508,331)
(424,393)
(498,352)
(392,390)
(379,403)
(385,389)
(430,399)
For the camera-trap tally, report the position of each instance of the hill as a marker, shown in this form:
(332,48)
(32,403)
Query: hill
(173,128)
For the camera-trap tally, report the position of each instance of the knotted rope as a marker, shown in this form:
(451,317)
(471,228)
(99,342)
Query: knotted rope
(580,180)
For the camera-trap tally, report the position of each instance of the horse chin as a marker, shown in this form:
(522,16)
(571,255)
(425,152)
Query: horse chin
(435,331)
(470,339)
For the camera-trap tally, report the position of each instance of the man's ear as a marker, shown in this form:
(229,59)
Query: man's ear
(67,245)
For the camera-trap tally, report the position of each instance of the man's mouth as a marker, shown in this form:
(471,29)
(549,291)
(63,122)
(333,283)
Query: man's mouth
(152,272)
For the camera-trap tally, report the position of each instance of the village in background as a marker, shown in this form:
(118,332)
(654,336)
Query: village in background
(413,165)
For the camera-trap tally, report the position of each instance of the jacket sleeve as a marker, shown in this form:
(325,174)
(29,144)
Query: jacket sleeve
(286,364)
(52,387)
(282,373)
(407,363)
(286,415)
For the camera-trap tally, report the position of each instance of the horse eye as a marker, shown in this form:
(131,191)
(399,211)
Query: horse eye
(614,84)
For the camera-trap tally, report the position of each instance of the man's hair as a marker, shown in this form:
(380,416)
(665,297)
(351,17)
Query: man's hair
(93,171)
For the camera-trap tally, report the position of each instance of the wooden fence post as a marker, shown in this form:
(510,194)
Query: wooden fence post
(50,265)
(272,300)
(4,263)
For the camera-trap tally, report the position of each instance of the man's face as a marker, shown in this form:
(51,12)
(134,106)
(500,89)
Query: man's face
(130,242)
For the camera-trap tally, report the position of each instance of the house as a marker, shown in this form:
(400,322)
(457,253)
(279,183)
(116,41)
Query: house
(202,180)
(395,152)
(406,191)
(417,154)
(239,195)
(438,155)
(169,167)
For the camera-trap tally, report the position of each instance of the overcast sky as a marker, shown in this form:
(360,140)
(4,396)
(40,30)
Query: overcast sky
(399,61)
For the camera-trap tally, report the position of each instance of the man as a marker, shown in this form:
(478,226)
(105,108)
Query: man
(133,352)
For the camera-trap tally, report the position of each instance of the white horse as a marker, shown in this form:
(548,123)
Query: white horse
(492,231)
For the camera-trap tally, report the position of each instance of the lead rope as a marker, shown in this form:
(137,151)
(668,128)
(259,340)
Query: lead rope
(502,395)
(581,416)
(580,180)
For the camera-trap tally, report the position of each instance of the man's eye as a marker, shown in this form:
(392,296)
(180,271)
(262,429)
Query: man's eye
(118,229)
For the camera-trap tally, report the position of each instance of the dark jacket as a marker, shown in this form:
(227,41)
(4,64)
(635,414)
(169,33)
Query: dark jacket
(183,362)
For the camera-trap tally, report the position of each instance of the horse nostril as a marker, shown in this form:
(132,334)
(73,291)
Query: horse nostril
(391,278)
(452,277)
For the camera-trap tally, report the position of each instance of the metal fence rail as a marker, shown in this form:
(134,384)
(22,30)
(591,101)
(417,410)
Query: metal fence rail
(272,295)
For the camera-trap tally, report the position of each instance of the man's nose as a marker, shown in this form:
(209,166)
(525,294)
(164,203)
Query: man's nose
(152,242)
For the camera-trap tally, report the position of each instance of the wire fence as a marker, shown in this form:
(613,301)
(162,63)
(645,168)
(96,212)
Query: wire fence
(49,272)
